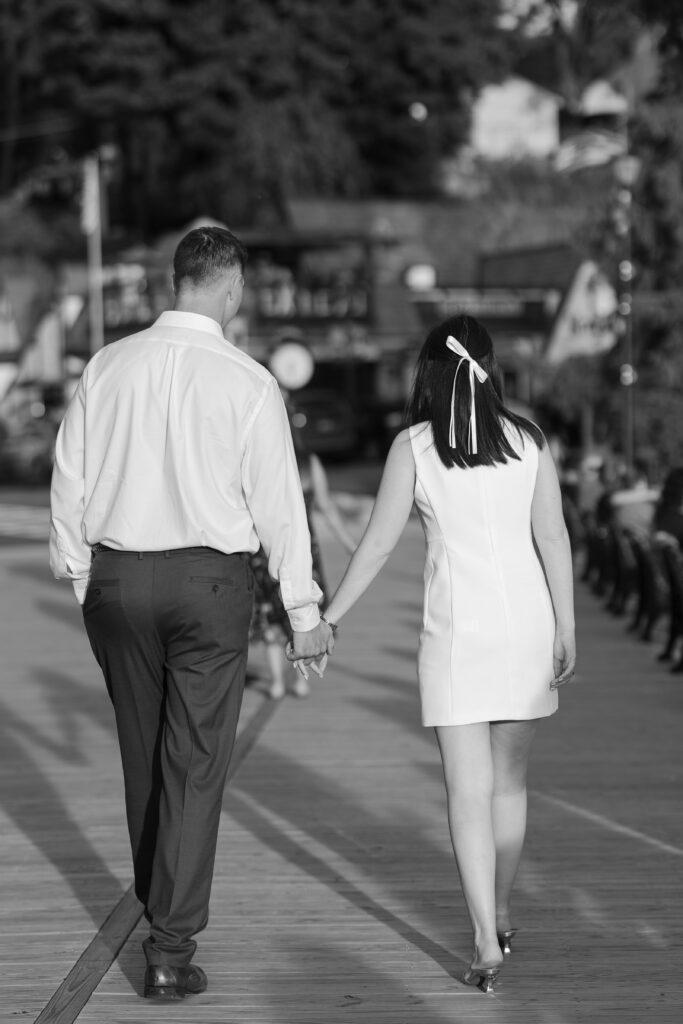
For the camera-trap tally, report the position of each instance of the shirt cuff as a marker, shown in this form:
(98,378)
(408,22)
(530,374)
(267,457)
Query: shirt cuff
(80,589)
(304,618)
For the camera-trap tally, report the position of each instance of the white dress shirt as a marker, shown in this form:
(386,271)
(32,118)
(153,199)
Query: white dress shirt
(175,438)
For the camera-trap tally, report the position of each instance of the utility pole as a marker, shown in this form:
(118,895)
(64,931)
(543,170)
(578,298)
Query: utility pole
(91,223)
(627,169)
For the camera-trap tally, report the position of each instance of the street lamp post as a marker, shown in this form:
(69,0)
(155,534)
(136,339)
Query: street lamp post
(626,169)
(91,222)
(97,171)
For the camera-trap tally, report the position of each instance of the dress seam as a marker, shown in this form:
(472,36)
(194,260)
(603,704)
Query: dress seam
(501,583)
(450,579)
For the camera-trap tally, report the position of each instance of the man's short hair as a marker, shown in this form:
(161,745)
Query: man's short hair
(205,254)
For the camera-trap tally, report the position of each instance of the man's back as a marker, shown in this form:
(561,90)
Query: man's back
(167,413)
(172,461)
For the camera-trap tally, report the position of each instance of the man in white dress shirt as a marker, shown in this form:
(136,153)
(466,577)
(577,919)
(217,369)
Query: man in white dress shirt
(174,460)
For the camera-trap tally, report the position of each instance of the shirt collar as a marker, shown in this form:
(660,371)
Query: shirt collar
(191,322)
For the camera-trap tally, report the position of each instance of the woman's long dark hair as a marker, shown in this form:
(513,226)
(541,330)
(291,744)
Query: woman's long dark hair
(430,397)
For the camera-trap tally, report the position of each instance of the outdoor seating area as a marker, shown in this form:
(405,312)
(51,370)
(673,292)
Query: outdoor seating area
(318,912)
(639,579)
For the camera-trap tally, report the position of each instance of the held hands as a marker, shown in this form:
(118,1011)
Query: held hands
(564,658)
(311,647)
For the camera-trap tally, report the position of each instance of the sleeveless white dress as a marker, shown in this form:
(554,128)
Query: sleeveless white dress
(486,646)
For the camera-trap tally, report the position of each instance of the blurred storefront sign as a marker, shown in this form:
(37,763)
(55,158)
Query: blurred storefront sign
(537,322)
(521,306)
(534,326)
(518,320)
(586,324)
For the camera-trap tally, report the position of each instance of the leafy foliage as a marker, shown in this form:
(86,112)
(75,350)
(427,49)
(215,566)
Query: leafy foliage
(657,134)
(573,44)
(600,37)
(236,107)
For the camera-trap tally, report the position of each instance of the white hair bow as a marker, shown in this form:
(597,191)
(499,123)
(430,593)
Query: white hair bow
(475,370)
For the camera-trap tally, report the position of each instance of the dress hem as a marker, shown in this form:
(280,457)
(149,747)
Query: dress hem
(498,718)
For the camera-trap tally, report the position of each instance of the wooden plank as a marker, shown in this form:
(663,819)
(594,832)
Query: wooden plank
(336,896)
(68,1001)
(74,992)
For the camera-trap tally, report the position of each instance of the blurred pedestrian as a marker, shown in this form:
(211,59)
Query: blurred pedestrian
(591,482)
(173,460)
(270,624)
(633,502)
(496,640)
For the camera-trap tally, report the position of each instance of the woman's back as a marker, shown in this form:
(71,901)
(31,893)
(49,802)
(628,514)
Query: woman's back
(493,646)
(488,624)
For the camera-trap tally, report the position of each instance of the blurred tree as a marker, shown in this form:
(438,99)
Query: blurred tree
(28,280)
(657,137)
(234,107)
(412,69)
(570,44)
(589,39)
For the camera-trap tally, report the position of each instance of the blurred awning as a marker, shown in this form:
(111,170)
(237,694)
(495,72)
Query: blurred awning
(590,148)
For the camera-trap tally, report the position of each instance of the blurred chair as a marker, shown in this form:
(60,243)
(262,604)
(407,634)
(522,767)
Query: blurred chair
(575,524)
(624,573)
(653,587)
(672,562)
(598,570)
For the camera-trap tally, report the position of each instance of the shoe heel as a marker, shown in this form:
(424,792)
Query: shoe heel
(505,941)
(484,978)
(168,993)
(487,981)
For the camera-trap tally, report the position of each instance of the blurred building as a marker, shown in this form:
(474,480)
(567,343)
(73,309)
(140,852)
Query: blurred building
(360,297)
(525,116)
(541,305)
(515,119)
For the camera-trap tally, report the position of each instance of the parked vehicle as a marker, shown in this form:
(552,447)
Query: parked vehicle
(27,453)
(326,421)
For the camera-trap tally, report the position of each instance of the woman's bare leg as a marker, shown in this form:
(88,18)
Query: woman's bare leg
(468,773)
(510,745)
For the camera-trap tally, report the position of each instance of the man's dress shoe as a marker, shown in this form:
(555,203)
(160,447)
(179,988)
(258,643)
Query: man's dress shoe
(164,982)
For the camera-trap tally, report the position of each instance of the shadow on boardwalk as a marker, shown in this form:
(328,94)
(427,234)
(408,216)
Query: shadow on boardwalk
(336,893)
(32,801)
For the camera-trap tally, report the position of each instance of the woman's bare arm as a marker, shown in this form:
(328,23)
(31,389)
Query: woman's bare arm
(552,539)
(389,516)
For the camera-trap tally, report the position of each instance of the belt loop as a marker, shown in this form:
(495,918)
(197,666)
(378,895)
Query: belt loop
(140,555)
(167,554)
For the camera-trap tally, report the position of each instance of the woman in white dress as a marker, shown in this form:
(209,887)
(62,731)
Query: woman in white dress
(498,628)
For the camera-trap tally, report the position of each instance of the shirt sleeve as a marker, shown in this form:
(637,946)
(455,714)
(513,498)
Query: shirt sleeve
(70,555)
(272,488)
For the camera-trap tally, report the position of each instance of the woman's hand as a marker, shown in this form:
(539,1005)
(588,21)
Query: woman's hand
(564,657)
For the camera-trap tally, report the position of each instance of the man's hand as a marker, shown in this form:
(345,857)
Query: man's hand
(311,644)
(311,647)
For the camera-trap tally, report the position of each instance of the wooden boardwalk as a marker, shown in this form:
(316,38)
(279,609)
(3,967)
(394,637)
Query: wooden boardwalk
(335,896)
